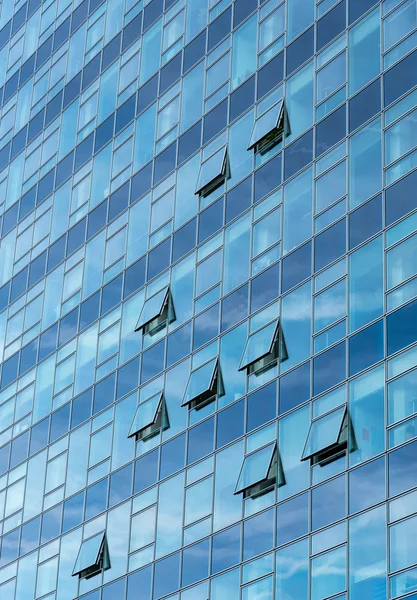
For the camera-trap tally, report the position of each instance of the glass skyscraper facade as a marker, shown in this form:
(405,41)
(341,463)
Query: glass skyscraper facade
(208,299)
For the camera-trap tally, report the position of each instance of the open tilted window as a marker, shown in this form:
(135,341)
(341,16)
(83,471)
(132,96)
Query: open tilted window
(150,418)
(157,312)
(204,385)
(93,557)
(263,349)
(261,471)
(213,172)
(329,437)
(268,129)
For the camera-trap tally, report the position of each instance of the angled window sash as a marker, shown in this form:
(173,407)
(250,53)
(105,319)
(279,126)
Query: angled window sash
(260,472)
(268,128)
(328,437)
(93,557)
(150,418)
(157,311)
(213,172)
(204,384)
(263,349)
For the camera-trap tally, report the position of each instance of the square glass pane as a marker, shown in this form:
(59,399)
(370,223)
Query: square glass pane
(266,123)
(146,414)
(89,553)
(201,380)
(152,308)
(210,169)
(324,432)
(258,345)
(255,468)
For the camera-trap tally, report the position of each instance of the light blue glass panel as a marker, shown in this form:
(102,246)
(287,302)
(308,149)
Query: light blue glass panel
(236,253)
(299,100)
(328,574)
(366,294)
(400,138)
(26,577)
(330,216)
(292,571)
(400,168)
(399,23)
(35,486)
(192,96)
(258,568)
(89,553)
(266,232)
(198,501)
(296,325)
(401,107)
(14,180)
(297,217)
(403,544)
(146,414)
(401,50)
(330,337)
(330,537)
(404,583)
(368,555)
(152,308)
(144,137)
(225,586)
(143,529)
(255,468)
(402,399)
(196,18)
(266,123)
(86,359)
(108,92)
(324,433)
(331,77)
(402,295)
(117,534)
(170,515)
(244,51)
(330,306)
(211,169)
(259,589)
(240,160)
(292,433)
(364,40)
(258,345)
(100,186)
(231,348)
(67,586)
(402,262)
(201,381)
(300,16)
(44,385)
(46,580)
(186,202)
(331,158)
(330,187)
(151,47)
(76,52)
(227,507)
(123,449)
(365,164)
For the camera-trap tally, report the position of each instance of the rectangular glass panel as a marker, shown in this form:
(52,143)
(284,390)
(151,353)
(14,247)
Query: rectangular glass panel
(200,381)
(255,468)
(324,432)
(266,123)
(145,414)
(152,308)
(211,168)
(88,554)
(258,345)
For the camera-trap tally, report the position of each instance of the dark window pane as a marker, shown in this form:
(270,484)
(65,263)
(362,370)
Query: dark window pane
(333,23)
(238,199)
(225,549)
(230,424)
(367,485)
(119,200)
(134,277)
(131,33)
(141,182)
(159,258)
(402,469)
(172,456)
(262,406)
(401,78)
(365,221)
(365,105)
(215,121)
(219,28)
(329,245)
(264,288)
(206,326)
(104,133)
(184,240)
(328,503)
(59,422)
(189,142)
(296,267)
(402,327)
(200,440)
(300,50)
(270,75)
(179,344)
(112,50)
(359,7)
(97,219)
(112,294)
(81,408)
(210,220)
(401,198)
(125,113)
(146,471)
(294,388)
(104,393)
(298,154)
(127,378)
(152,361)
(258,534)
(152,11)
(366,348)
(331,130)
(96,499)
(170,72)
(91,71)
(120,485)
(268,177)
(147,94)
(235,307)
(329,368)
(242,98)
(292,519)
(165,162)
(194,51)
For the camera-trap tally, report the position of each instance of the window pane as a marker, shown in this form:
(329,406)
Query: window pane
(324,432)
(364,41)
(255,468)
(88,554)
(145,414)
(201,380)
(258,345)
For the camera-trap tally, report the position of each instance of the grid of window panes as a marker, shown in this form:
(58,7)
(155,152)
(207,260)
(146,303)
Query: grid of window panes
(113,114)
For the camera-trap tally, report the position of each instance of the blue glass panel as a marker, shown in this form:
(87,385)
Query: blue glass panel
(201,380)
(255,468)
(258,345)
(211,169)
(89,553)
(152,308)
(145,414)
(324,433)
